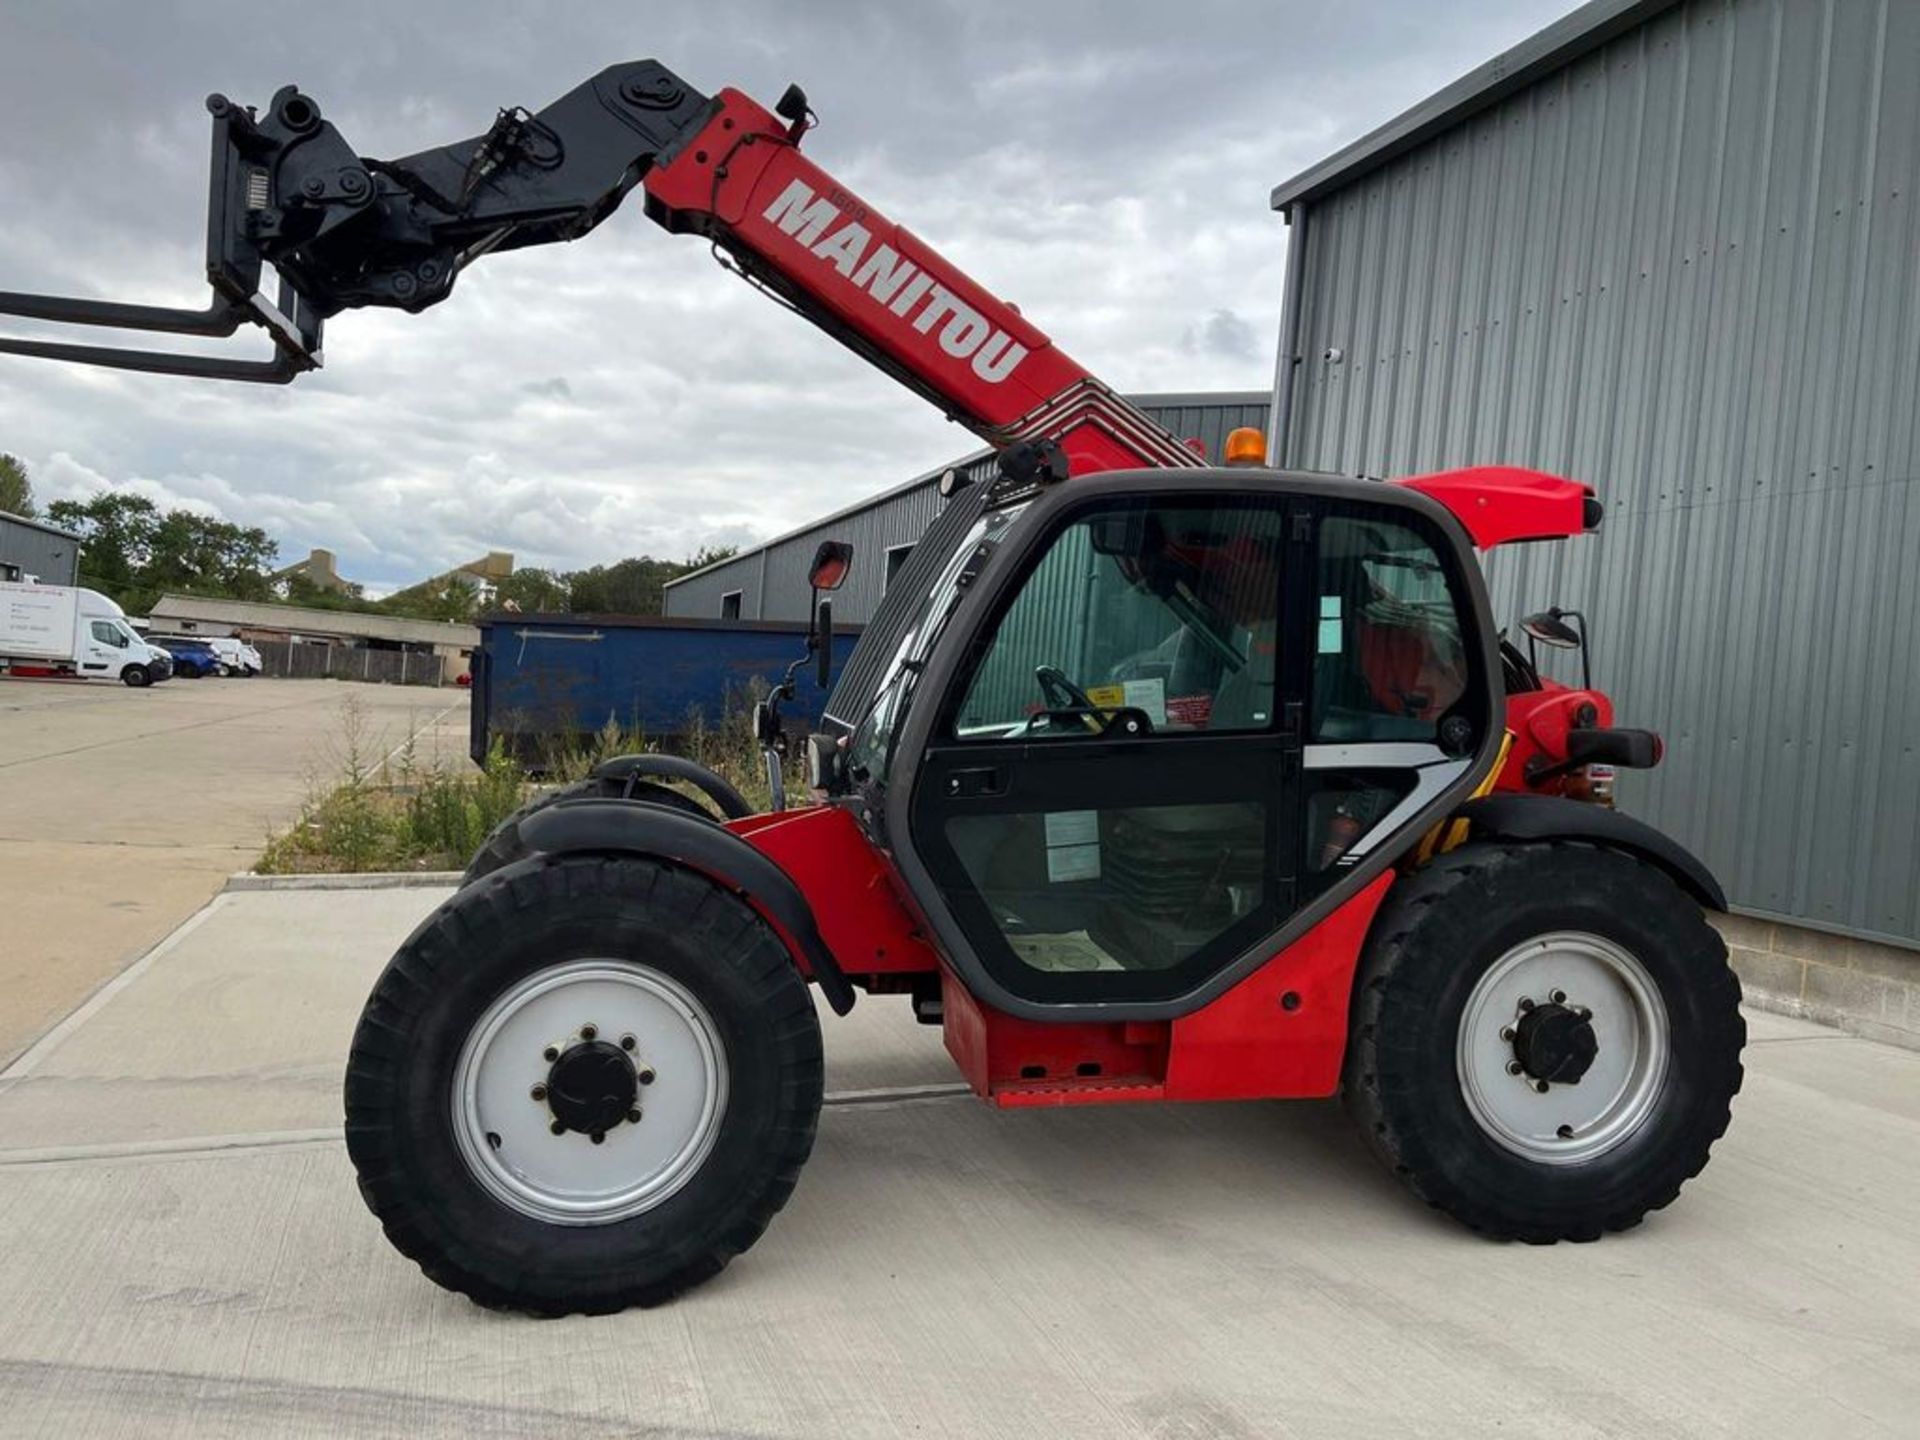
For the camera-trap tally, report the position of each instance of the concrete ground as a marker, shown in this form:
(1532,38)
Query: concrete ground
(123,811)
(185,1253)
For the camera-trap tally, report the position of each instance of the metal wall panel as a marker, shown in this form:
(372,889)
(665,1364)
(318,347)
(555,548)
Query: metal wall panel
(772,579)
(52,556)
(1685,268)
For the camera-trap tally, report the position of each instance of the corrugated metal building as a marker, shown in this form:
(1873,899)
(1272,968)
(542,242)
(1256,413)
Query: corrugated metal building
(770,581)
(33,547)
(1670,249)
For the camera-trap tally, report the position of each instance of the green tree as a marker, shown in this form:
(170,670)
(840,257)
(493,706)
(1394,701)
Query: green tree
(629,587)
(196,553)
(116,532)
(709,555)
(16,491)
(135,552)
(450,597)
(532,590)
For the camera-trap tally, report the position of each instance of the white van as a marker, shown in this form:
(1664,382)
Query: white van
(62,630)
(237,657)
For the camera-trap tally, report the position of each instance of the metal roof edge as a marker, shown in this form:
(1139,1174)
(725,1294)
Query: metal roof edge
(1550,49)
(32,524)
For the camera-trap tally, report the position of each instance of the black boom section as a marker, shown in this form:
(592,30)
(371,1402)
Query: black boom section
(287,191)
(615,826)
(1552,817)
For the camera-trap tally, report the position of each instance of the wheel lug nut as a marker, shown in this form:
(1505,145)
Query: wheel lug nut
(552,1052)
(1526,1004)
(1559,997)
(587,1032)
(539,1092)
(627,1042)
(557,1128)
(1541,1086)
(599,1137)
(1513,1067)
(633,1117)
(646,1077)
(1506,1032)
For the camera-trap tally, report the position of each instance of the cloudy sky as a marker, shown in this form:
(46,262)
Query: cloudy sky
(1104,166)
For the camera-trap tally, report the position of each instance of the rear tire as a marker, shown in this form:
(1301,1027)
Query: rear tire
(1442,1072)
(438,1082)
(502,848)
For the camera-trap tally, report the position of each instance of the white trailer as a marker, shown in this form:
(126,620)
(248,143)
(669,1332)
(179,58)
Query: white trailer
(61,630)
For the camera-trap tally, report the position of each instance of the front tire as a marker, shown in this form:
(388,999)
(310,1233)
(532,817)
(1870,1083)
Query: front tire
(502,848)
(136,677)
(1546,1039)
(555,1002)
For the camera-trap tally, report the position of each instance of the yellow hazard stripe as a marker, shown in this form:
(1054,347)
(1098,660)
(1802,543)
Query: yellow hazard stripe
(1450,833)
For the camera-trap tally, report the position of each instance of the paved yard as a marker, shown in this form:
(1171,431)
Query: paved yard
(185,1254)
(123,811)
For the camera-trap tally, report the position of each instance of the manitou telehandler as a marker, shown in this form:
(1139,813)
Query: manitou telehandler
(1148,782)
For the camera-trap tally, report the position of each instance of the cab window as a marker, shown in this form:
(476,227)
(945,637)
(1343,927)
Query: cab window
(107,633)
(1390,657)
(1166,609)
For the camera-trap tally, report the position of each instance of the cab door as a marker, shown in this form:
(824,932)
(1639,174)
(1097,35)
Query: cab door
(104,648)
(1109,805)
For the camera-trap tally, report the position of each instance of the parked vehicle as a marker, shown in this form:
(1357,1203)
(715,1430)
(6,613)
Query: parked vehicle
(542,682)
(193,659)
(65,630)
(236,656)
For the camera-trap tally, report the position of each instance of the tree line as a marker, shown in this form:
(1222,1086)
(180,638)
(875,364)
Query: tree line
(134,552)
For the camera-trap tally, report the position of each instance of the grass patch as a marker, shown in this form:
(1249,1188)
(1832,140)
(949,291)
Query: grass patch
(367,813)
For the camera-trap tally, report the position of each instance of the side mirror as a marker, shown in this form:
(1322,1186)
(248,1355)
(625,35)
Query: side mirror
(830,565)
(823,653)
(1549,629)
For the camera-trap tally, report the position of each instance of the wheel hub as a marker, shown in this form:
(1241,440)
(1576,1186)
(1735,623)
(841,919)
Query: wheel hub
(592,1087)
(1555,1043)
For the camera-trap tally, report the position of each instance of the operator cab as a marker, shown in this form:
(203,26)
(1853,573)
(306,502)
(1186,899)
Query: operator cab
(1133,735)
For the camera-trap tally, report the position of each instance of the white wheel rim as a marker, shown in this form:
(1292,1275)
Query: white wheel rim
(505,1135)
(1567,1123)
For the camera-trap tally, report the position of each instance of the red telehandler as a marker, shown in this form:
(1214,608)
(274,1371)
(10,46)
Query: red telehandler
(1141,786)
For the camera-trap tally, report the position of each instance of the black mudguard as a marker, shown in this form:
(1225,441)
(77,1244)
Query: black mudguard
(1553,817)
(576,826)
(628,768)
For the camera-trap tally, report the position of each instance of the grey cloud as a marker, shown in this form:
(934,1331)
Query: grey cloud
(1108,171)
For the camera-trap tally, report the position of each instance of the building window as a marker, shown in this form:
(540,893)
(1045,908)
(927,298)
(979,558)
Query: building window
(896,557)
(730,605)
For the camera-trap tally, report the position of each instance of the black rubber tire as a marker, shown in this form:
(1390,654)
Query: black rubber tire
(136,677)
(502,848)
(1437,934)
(529,917)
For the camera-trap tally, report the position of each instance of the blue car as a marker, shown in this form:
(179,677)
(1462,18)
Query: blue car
(191,658)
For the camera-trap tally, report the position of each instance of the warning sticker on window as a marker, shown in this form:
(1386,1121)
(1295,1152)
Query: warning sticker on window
(1072,862)
(1329,640)
(1190,710)
(1150,696)
(1073,846)
(1073,827)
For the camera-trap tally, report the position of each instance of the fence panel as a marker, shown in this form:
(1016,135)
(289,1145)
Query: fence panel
(292,660)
